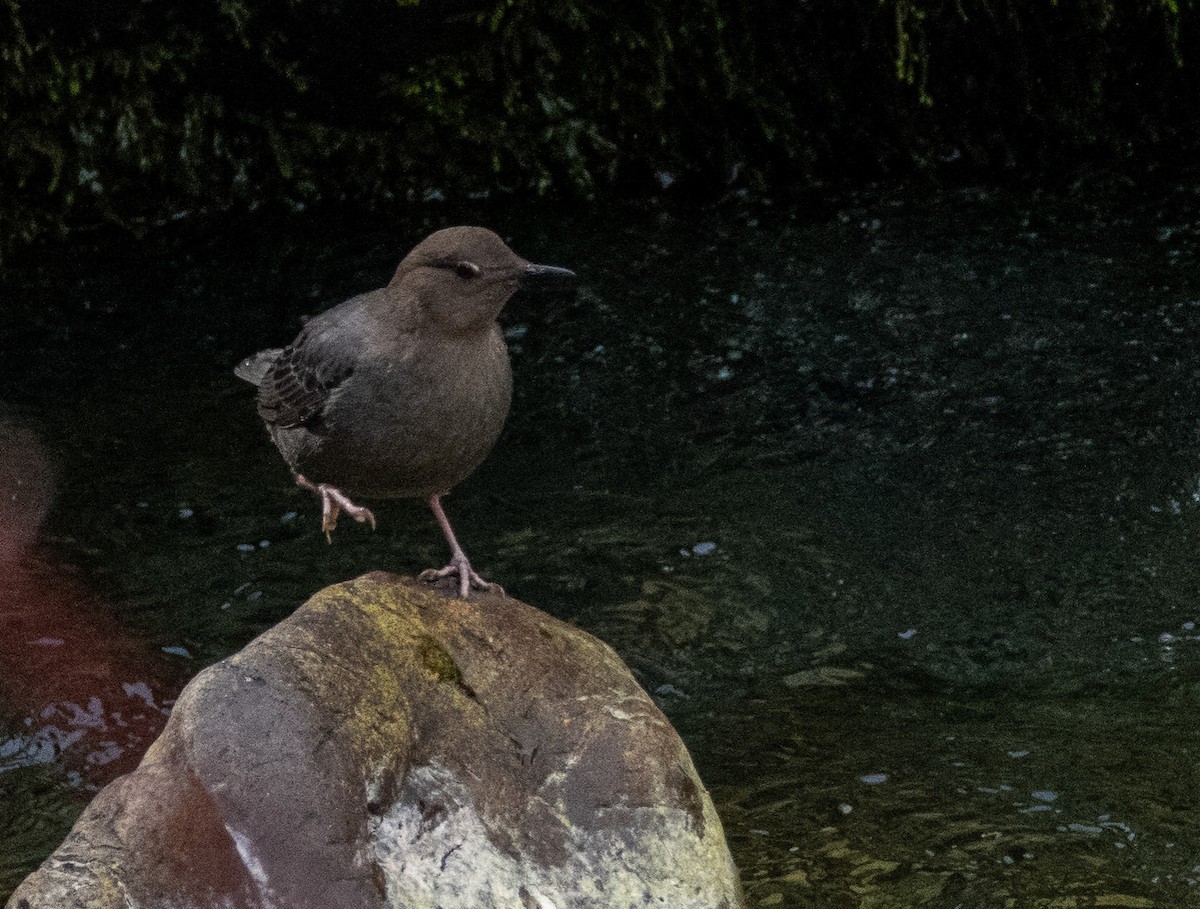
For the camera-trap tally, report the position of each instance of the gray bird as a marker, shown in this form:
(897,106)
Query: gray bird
(400,392)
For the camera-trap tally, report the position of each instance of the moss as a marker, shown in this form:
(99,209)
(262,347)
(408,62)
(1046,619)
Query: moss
(371,697)
(434,657)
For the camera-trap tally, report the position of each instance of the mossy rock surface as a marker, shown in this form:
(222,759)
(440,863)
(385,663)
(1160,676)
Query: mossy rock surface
(387,745)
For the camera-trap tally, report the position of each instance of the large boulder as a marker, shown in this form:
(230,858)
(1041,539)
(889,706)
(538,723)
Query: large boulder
(387,745)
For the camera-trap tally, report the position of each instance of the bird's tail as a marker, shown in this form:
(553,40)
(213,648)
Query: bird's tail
(252,369)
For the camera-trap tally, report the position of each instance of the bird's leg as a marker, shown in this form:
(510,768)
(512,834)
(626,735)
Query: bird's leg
(467,578)
(333,502)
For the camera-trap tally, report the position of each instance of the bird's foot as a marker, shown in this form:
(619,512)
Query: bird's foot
(333,503)
(468,580)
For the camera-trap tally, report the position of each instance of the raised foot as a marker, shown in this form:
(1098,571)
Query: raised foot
(333,502)
(468,580)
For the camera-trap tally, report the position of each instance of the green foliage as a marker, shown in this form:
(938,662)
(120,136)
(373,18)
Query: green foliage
(134,110)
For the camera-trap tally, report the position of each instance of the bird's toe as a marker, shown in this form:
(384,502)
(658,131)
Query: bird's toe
(468,579)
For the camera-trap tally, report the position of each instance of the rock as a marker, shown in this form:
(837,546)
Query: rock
(389,746)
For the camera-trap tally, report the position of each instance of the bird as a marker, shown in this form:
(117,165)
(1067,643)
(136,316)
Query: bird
(400,392)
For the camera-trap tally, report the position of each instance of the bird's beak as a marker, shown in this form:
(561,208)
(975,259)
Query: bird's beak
(532,270)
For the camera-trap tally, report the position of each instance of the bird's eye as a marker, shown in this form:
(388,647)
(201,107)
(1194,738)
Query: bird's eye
(466,270)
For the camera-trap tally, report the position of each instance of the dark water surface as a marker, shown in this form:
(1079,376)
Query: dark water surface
(896,509)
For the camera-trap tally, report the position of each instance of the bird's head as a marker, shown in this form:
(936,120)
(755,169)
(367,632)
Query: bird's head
(461,277)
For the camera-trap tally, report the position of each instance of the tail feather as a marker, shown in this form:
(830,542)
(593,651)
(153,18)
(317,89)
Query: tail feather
(254,368)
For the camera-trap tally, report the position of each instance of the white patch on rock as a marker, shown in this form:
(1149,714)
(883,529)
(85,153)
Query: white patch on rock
(245,850)
(435,853)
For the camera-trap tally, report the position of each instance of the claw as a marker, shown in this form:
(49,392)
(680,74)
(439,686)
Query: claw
(467,578)
(333,502)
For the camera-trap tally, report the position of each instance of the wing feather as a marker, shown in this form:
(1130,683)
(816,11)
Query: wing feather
(301,380)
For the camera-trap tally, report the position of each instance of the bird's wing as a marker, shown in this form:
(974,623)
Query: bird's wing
(296,388)
(301,380)
(254,368)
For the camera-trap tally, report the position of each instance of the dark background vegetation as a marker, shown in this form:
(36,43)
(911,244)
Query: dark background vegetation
(133,111)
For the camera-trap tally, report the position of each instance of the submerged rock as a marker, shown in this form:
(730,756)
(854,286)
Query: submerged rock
(389,746)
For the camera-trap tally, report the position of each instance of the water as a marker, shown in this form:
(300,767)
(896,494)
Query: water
(894,507)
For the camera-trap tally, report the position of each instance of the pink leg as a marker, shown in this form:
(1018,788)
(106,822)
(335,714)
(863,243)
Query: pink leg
(467,578)
(333,502)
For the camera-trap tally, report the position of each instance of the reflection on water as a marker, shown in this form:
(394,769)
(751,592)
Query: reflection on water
(893,511)
(81,700)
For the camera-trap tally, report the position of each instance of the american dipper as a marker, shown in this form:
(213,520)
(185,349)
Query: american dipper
(400,392)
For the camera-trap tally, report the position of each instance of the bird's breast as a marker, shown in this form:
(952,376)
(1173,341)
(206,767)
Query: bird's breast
(412,425)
